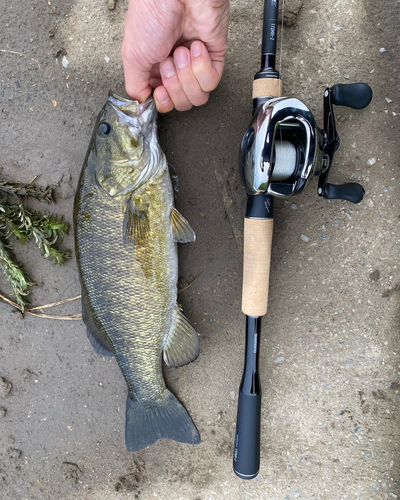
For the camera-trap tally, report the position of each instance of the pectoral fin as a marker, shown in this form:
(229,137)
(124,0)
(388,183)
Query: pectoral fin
(181,230)
(182,344)
(136,222)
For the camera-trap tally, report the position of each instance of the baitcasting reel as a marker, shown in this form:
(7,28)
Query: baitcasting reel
(283,148)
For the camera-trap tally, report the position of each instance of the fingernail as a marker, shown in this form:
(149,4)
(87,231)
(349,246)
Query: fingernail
(181,58)
(196,49)
(167,68)
(162,96)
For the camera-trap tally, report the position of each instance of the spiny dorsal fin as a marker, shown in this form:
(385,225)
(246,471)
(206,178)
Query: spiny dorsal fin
(136,222)
(181,230)
(182,344)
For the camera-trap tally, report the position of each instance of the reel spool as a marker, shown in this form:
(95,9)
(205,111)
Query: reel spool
(284,161)
(283,149)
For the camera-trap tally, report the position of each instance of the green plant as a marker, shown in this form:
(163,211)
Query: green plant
(20,223)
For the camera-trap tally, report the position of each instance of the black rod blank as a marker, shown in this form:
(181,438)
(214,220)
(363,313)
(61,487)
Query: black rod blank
(270,34)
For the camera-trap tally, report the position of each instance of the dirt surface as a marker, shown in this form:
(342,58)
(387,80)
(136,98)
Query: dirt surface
(330,342)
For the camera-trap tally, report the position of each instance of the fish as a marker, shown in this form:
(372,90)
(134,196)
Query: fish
(126,233)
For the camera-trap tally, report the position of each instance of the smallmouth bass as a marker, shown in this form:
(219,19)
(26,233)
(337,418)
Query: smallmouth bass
(126,234)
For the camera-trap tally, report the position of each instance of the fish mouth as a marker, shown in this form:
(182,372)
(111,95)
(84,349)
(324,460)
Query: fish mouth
(130,107)
(118,99)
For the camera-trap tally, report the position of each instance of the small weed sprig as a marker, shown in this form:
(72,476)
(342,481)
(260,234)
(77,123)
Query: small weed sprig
(20,223)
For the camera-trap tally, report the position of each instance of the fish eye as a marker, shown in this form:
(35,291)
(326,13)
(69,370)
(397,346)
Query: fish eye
(104,128)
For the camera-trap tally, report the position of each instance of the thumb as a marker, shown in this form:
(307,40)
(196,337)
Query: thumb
(137,76)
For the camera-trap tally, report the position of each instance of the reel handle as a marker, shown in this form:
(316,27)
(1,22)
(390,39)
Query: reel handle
(352,95)
(351,192)
(355,96)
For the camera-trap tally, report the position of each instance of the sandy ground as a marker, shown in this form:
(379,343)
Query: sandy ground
(330,341)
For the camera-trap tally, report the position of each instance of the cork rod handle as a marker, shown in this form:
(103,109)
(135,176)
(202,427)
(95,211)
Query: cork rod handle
(258,236)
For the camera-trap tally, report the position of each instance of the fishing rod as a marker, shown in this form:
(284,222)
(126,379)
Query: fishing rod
(281,151)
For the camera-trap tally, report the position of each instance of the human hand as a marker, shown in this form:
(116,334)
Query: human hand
(177,48)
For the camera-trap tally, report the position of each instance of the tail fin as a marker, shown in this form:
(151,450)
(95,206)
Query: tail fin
(165,419)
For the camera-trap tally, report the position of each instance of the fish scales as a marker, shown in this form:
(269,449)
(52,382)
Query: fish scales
(131,289)
(127,258)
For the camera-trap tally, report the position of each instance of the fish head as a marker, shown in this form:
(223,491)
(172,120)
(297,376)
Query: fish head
(125,145)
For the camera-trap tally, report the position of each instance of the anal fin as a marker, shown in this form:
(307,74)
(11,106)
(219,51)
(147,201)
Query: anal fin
(182,344)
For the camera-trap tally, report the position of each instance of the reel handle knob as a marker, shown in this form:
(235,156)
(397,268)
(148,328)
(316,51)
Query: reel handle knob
(351,192)
(352,95)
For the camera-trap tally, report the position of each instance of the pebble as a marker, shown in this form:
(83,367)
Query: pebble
(5,387)
(14,453)
(388,100)
(375,275)
(281,359)
(65,62)
(324,237)
(305,238)
(294,206)
(371,161)
(382,50)
(107,59)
